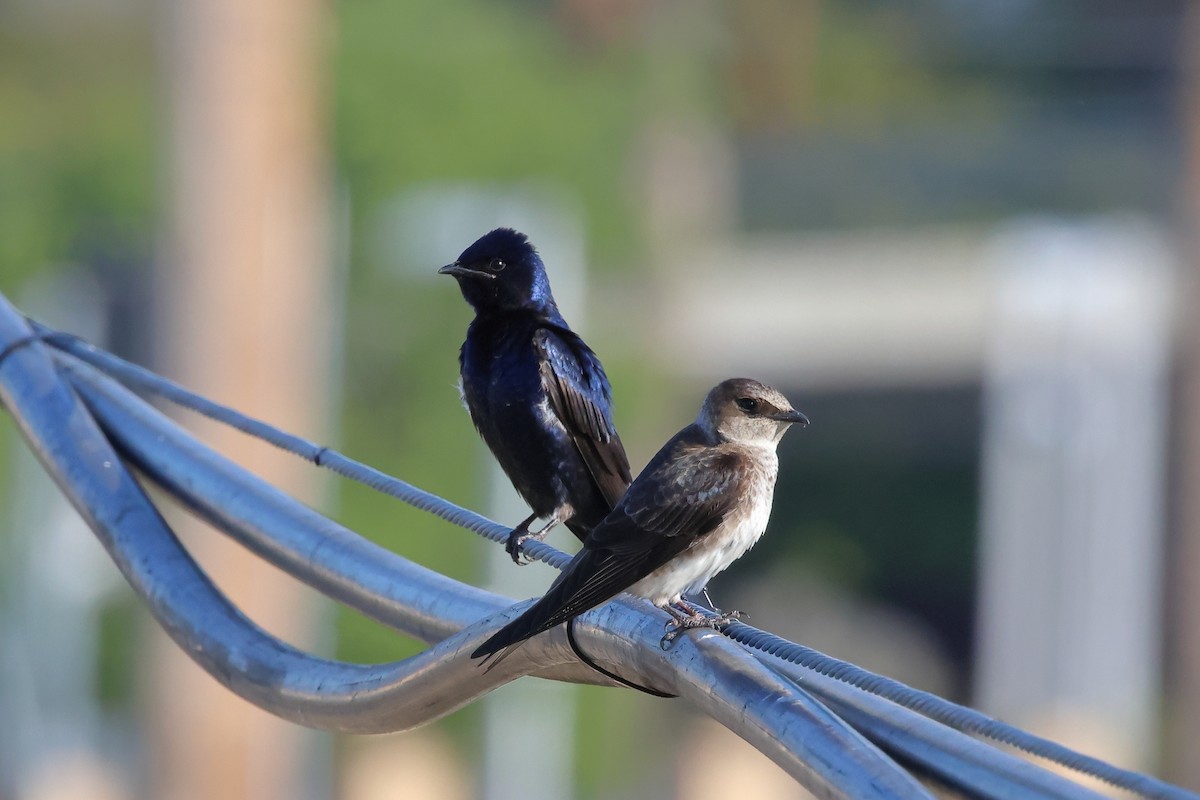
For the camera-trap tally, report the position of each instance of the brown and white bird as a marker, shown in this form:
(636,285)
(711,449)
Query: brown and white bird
(700,503)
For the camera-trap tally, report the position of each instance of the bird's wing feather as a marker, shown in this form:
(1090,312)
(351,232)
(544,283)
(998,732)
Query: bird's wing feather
(577,387)
(684,494)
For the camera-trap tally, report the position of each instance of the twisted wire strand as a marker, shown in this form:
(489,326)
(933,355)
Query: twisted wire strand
(953,715)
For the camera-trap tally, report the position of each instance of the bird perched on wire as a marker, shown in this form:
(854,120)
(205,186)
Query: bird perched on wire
(537,394)
(701,503)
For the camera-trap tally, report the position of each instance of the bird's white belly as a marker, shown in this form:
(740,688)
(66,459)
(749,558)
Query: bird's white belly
(690,570)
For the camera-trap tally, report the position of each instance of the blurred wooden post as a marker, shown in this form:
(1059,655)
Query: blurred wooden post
(1183,595)
(244,293)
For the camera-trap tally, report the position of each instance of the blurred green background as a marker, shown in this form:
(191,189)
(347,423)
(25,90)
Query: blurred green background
(688,141)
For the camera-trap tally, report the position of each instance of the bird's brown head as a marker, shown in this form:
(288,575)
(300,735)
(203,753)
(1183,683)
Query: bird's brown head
(746,411)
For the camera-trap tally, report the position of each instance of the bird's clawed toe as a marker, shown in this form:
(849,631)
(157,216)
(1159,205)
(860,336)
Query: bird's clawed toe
(513,547)
(684,617)
(515,540)
(517,537)
(723,618)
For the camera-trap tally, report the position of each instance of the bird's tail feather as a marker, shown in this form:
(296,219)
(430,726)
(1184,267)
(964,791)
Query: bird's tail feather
(541,616)
(511,634)
(561,602)
(492,660)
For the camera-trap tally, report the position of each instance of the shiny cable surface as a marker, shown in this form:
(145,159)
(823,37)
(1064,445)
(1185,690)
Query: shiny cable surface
(814,745)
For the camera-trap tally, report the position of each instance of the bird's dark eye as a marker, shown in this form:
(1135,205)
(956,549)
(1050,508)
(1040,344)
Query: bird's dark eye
(747,404)
(497,265)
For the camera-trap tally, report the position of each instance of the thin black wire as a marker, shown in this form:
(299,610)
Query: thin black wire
(944,711)
(585,658)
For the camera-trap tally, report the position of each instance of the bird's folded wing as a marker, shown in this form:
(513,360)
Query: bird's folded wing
(578,390)
(679,502)
(685,491)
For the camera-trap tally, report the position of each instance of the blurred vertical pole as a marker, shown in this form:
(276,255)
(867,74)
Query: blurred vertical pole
(1183,619)
(245,302)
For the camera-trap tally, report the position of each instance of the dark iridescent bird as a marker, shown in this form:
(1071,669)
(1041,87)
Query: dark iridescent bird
(701,503)
(536,393)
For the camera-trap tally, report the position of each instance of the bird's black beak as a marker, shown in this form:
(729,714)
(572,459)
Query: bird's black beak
(792,417)
(456,269)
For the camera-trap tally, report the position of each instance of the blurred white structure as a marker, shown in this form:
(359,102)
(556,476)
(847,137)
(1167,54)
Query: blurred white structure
(832,309)
(1073,484)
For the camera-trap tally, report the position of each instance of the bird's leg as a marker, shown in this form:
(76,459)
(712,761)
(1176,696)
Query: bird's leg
(721,618)
(708,599)
(681,609)
(520,534)
(685,616)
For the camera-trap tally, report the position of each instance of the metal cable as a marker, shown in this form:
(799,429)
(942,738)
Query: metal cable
(586,659)
(948,713)
(725,681)
(956,716)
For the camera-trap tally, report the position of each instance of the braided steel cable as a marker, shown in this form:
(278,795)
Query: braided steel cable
(953,715)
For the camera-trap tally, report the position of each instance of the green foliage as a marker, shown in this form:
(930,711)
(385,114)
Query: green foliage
(78,146)
(469,90)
